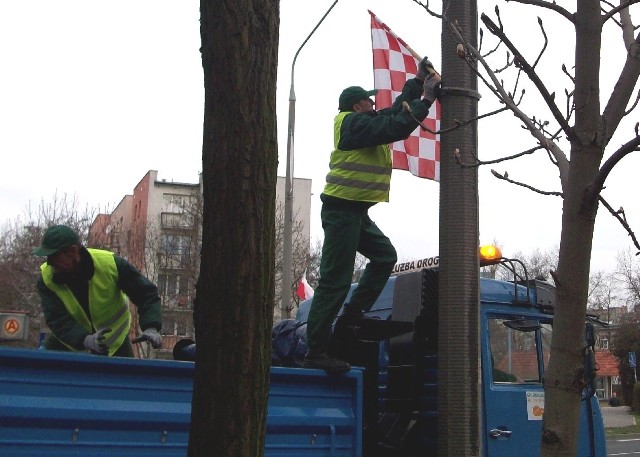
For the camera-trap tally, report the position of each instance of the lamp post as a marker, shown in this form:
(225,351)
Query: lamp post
(287,280)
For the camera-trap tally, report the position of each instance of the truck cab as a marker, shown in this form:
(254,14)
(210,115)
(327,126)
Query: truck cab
(397,347)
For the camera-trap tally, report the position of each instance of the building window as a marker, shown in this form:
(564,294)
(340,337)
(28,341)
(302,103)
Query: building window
(168,325)
(604,343)
(174,326)
(173,285)
(177,220)
(181,327)
(178,203)
(176,248)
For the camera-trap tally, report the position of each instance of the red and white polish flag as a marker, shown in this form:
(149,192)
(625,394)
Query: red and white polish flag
(304,290)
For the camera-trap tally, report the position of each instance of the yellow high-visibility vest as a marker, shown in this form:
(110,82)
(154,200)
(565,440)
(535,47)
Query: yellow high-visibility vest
(360,174)
(107,304)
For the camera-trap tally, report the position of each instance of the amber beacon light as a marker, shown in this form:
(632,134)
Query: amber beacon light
(490,255)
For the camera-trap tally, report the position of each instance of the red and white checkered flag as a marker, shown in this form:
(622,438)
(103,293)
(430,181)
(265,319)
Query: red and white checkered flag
(393,65)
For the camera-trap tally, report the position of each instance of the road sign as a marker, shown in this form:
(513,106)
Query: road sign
(14,326)
(632,359)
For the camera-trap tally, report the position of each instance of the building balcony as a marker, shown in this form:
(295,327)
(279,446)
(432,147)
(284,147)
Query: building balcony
(181,303)
(184,221)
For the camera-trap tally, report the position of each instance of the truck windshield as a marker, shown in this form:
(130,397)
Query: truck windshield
(519,349)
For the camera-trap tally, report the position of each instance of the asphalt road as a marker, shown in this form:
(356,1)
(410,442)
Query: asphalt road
(620,445)
(623,445)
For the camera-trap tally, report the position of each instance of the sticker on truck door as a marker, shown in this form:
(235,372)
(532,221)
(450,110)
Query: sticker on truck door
(535,405)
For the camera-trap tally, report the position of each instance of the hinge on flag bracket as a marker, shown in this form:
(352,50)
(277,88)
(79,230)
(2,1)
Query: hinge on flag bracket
(459,92)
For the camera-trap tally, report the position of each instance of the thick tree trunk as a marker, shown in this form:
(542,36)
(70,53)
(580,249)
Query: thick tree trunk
(564,377)
(234,302)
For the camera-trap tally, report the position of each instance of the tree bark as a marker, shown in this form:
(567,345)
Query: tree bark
(565,375)
(233,311)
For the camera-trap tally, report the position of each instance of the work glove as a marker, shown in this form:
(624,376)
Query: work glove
(423,69)
(96,342)
(412,89)
(431,89)
(151,335)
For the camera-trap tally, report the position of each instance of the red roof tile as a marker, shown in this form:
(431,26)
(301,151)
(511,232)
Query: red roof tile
(607,364)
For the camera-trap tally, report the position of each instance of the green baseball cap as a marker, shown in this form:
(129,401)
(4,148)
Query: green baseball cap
(352,95)
(55,238)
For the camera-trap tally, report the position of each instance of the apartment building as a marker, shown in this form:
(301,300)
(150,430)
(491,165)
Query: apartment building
(158,229)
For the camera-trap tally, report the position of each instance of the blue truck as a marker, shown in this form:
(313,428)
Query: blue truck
(62,404)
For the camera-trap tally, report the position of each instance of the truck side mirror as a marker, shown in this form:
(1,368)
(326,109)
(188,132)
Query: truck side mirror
(523,325)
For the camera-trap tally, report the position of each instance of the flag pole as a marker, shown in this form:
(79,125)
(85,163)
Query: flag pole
(287,241)
(415,55)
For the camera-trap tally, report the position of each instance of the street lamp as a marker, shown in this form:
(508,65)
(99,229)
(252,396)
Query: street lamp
(287,241)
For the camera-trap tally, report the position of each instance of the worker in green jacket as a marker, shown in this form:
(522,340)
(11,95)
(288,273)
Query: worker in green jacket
(83,297)
(359,177)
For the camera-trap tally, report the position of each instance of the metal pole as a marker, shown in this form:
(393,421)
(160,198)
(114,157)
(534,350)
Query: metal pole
(287,281)
(459,380)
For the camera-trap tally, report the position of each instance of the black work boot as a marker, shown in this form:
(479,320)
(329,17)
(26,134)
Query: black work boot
(323,361)
(349,320)
(351,316)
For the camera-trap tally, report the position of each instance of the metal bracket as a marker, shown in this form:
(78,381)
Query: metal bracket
(459,92)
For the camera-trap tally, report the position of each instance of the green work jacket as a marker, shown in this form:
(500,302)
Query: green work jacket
(359,174)
(360,164)
(107,304)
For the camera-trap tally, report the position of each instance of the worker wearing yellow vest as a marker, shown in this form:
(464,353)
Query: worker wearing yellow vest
(359,177)
(83,297)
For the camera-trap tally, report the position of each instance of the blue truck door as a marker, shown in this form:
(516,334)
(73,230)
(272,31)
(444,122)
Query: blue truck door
(513,394)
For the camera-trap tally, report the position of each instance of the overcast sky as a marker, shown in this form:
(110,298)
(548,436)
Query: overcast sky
(95,94)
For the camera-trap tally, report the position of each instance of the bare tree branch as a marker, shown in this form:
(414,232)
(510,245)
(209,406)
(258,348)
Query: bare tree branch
(458,123)
(635,103)
(477,118)
(497,10)
(546,43)
(552,6)
(505,177)
(627,27)
(621,7)
(552,158)
(515,86)
(566,72)
(507,64)
(622,219)
(477,162)
(570,105)
(498,89)
(522,63)
(492,50)
(426,7)
(598,183)
(615,109)
(618,23)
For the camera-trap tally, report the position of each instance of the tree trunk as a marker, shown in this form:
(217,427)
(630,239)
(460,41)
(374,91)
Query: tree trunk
(233,311)
(565,376)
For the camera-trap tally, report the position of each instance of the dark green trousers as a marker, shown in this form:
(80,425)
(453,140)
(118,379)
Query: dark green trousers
(347,231)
